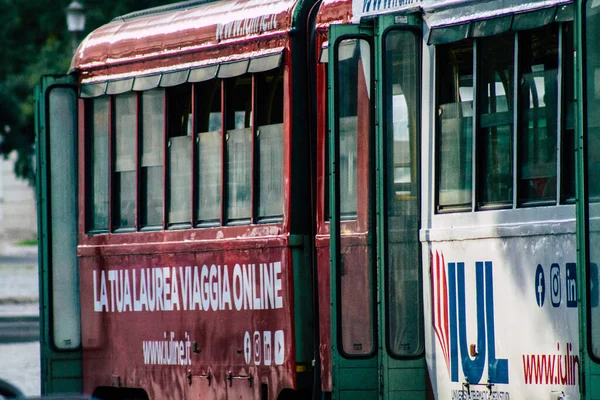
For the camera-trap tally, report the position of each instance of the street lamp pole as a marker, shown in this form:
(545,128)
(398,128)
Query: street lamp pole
(75,21)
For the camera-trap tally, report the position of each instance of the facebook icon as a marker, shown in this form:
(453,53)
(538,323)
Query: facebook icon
(540,286)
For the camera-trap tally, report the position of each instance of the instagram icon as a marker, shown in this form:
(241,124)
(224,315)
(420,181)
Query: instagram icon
(555,285)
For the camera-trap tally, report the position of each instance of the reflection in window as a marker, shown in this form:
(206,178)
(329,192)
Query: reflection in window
(269,114)
(184,171)
(538,114)
(98,116)
(208,142)
(239,148)
(455,125)
(496,121)
(353,86)
(124,178)
(542,77)
(179,134)
(152,150)
(401,78)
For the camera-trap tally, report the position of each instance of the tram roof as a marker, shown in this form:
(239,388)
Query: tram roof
(436,12)
(170,37)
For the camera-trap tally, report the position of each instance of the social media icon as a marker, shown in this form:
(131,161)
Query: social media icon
(247,347)
(257,348)
(555,285)
(571,284)
(267,351)
(540,285)
(279,344)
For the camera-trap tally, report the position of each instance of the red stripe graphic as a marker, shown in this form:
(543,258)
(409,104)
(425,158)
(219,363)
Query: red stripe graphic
(439,291)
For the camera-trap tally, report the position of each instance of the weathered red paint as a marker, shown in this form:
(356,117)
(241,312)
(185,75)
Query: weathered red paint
(334,12)
(183,30)
(146,42)
(113,340)
(322,241)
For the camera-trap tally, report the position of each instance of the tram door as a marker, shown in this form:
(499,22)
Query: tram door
(56,181)
(377,326)
(589,191)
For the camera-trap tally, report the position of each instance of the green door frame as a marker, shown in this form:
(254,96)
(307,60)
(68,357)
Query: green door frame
(402,377)
(357,377)
(379,376)
(60,349)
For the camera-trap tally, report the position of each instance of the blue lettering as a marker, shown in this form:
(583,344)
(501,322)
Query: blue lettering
(497,368)
(486,340)
(453,335)
(472,368)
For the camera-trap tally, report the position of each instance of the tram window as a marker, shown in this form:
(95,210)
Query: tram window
(97,206)
(179,136)
(455,125)
(269,121)
(567,166)
(496,120)
(151,159)
(124,184)
(238,114)
(353,91)
(401,107)
(538,86)
(326,173)
(353,85)
(209,144)
(542,87)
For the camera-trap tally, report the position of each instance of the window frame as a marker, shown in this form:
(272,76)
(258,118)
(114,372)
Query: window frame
(560,197)
(279,73)
(363,214)
(386,76)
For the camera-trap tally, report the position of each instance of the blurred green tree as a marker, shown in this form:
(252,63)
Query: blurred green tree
(34,41)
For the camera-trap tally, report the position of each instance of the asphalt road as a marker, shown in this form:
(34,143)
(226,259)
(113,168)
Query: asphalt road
(18,329)
(19,322)
(19,259)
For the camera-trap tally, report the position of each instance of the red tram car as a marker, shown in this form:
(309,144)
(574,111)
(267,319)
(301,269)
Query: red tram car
(193,227)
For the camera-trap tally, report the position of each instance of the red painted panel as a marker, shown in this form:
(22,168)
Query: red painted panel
(322,241)
(334,12)
(184,324)
(213,25)
(324,289)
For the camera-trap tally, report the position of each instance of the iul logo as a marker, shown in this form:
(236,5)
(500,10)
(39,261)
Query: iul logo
(450,321)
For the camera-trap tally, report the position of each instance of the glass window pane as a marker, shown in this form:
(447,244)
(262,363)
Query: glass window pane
(567,166)
(125,115)
(592,131)
(239,148)
(62,198)
(496,68)
(455,125)
(401,78)
(353,94)
(323,123)
(97,207)
(353,87)
(269,95)
(179,132)
(538,86)
(151,159)
(209,150)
